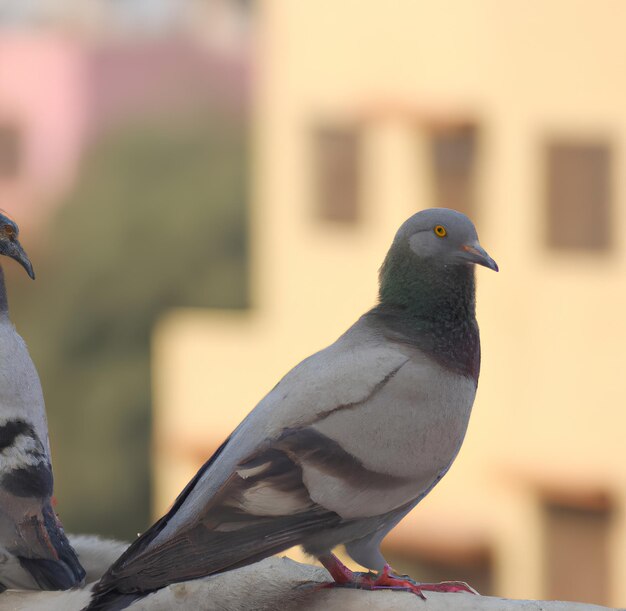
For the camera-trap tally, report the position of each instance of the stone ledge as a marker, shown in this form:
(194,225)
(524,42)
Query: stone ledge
(283,585)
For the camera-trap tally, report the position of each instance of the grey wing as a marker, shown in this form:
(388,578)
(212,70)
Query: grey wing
(30,532)
(346,375)
(251,499)
(263,508)
(260,510)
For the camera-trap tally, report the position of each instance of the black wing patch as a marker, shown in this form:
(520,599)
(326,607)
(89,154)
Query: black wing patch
(32,476)
(11,430)
(29,481)
(309,446)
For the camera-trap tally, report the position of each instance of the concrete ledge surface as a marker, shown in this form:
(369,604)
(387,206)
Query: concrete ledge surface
(283,585)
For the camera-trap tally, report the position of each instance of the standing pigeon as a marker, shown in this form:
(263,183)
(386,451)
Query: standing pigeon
(34,551)
(346,444)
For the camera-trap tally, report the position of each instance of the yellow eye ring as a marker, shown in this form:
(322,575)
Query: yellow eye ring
(440,231)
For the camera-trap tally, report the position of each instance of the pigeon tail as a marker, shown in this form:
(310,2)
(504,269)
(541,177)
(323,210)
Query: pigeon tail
(62,572)
(113,601)
(52,574)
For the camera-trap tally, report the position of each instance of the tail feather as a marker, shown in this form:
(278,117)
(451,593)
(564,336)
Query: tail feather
(62,570)
(51,574)
(112,601)
(224,536)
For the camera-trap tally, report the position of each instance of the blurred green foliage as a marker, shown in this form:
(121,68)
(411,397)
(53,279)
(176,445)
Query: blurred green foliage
(157,221)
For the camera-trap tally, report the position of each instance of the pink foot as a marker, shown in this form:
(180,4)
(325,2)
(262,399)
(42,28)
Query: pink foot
(340,573)
(448,586)
(385,580)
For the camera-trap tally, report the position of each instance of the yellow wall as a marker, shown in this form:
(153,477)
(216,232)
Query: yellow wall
(550,408)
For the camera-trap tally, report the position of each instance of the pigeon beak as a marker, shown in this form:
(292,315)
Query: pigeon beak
(475,253)
(14,250)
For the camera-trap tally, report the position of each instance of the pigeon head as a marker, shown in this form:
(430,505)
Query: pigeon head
(443,237)
(431,261)
(10,246)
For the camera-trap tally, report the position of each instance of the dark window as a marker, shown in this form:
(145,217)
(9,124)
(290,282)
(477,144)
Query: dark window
(577,561)
(336,173)
(453,157)
(578,193)
(9,150)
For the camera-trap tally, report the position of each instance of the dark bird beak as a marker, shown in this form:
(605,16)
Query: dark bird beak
(12,248)
(475,253)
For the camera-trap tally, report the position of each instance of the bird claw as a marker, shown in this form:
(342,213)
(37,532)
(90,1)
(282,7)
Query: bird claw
(370,585)
(385,580)
(345,578)
(442,586)
(448,586)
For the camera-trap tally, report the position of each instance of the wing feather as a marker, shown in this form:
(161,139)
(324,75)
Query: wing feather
(250,499)
(238,527)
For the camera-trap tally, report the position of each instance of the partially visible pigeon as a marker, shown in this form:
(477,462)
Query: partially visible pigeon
(34,551)
(346,444)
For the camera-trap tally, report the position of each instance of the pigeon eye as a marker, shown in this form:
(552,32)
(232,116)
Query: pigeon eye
(440,231)
(9,231)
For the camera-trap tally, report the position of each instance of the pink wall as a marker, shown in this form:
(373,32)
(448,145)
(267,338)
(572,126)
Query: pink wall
(173,74)
(42,90)
(62,92)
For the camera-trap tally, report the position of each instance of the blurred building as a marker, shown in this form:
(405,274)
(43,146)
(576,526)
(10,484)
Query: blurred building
(129,115)
(70,71)
(516,114)
(120,18)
